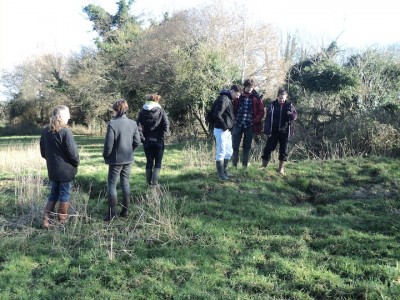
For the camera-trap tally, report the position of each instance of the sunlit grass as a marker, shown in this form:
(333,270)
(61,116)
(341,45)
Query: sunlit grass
(326,230)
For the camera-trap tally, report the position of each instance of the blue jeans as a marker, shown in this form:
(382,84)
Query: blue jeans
(60,191)
(223,141)
(123,172)
(154,152)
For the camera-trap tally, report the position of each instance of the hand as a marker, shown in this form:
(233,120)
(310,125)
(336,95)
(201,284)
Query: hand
(289,112)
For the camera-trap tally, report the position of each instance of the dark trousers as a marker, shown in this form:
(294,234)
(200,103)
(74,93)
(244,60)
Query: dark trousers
(272,142)
(154,152)
(123,172)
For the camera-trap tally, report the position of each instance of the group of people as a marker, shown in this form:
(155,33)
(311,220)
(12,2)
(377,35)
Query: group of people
(238,115)
(123,137)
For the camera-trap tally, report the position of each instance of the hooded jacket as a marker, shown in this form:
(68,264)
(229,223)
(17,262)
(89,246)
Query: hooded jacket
(153,123)
(223,114)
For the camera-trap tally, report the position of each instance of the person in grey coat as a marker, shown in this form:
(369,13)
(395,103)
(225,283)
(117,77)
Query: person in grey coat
(122,140)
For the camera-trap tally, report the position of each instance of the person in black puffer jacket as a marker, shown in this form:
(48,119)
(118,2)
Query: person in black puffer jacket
(154,128)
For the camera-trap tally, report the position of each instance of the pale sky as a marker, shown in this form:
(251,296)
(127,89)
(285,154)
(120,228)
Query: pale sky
(30,27)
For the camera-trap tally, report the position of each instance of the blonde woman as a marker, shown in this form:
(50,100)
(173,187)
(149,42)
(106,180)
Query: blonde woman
(58,148)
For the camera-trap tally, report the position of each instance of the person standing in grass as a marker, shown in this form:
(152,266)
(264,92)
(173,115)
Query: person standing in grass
(58,148)
(121,141)
(154,128)
(223,123)
(249,112)
(278,128)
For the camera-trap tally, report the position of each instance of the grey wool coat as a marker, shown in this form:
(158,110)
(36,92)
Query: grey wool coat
(122,139)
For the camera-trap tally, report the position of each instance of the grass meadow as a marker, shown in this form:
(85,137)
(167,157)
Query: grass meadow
(326,230)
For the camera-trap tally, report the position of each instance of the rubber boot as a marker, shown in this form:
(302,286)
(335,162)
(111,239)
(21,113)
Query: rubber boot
(220,169)
(49,208)
(125,205)
(281,170)
(63,212)
(226,163)
(155,176)
(149,173)
(246,156)
(112,209)
(235,158)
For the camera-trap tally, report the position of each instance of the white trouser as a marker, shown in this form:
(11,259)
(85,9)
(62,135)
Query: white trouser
(223,141)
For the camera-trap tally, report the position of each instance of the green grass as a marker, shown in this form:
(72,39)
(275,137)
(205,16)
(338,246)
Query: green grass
(325,230)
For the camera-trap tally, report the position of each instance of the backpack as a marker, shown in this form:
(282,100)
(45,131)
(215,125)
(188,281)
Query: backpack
(210,115)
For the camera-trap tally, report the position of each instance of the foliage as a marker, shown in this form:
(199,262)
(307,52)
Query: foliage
(326,230)
(340,114)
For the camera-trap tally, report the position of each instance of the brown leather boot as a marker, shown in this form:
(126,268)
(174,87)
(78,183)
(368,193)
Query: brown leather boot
(281,170)
(63,212)
(49,208)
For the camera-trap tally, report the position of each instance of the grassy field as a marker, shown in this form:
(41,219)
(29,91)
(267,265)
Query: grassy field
(325,230)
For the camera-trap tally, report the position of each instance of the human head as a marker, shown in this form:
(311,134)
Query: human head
(120,107)
(236,90)
(153,97)
(59,118)
(248,85)
(282,95)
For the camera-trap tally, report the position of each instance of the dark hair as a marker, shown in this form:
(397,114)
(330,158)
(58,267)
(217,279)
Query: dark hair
(282,91)
(236,88)
(120,107)
(249,82)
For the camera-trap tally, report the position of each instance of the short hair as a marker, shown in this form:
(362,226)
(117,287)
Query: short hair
(120,107)
(236,88)
(249,82)
(282,91)
(153,97)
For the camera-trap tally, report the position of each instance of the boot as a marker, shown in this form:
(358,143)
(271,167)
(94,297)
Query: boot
(235,158)
(246,156)
(264,164)
(149,173)
(125,205)
(49,208)
(63,212)
(281,170)
(155,176)
(220,169)
(112,209)
(226,163)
